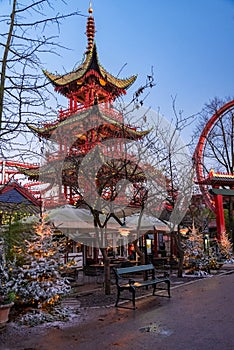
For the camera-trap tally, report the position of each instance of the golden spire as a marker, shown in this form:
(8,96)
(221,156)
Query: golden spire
(90,28)
(90,7)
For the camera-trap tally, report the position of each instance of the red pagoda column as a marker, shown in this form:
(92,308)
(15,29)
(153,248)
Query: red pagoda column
(220,222)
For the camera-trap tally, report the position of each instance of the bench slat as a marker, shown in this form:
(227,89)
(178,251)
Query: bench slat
(139,284)
(132,269)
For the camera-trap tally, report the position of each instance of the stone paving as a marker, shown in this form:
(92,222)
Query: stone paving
(198,316)
(88,293)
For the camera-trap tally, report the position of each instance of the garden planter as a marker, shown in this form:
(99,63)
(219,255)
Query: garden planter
(4,313)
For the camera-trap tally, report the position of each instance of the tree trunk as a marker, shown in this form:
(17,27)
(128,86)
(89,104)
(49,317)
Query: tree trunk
(107,278)
(4,60)
(180,265)
(139,252)
(180,252)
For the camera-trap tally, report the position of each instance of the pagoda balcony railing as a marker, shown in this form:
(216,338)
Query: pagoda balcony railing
(62,154)
(65,113)
(76,152)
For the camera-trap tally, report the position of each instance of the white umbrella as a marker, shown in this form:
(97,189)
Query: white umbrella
(81,220)
(68,217)
(146,223)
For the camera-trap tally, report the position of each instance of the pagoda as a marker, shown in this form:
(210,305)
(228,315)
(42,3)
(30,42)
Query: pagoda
(90,119)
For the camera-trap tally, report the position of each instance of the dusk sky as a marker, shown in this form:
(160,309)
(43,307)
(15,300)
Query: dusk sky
(189,43)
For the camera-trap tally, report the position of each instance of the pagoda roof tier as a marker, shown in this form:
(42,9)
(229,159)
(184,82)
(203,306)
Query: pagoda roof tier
(91,66)
(68,169)
(99,123)
(113,170)
(226,192)
(51,170)
(218,179)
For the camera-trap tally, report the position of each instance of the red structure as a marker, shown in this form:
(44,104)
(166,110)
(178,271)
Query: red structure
(87,86)
(91,91)
(8,170)
(214,186)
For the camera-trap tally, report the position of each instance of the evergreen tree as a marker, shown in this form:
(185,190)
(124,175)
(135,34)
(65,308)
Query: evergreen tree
(38,281)
(225,246)
(195,257)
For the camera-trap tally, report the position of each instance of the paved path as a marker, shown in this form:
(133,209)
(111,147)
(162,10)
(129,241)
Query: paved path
(199,316)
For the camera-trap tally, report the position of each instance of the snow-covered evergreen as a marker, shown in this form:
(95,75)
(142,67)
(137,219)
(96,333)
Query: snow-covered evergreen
(225,246)
(38,282)
(197,257)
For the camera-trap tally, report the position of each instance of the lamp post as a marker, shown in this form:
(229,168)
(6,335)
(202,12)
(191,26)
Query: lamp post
(124,232)
(206,241)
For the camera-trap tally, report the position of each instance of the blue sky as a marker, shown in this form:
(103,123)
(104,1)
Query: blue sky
(188,42)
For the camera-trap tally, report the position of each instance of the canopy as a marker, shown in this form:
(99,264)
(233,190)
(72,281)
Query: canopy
(78,224)
(146,223)
(68,217)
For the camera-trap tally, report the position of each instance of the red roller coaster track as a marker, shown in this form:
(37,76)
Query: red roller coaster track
(199,153)
(216,180)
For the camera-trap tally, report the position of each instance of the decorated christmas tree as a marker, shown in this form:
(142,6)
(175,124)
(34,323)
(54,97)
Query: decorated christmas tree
(225,246)
(194,256)
(39,283)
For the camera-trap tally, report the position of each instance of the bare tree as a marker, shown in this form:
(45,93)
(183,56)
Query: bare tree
(29,31)
(175,161)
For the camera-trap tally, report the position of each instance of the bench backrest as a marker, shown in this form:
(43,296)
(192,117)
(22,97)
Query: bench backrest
(132,269)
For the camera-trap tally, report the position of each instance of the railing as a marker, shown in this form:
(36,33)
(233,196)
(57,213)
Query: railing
(63,114)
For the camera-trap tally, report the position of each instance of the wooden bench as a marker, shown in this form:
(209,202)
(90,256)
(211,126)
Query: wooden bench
(148,278)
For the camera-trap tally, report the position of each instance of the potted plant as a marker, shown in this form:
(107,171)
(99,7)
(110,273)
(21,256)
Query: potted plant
(6,303)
